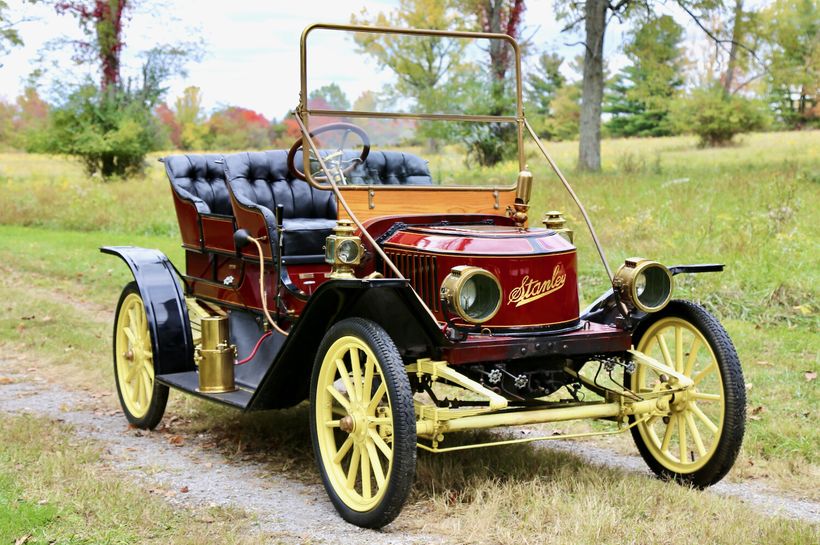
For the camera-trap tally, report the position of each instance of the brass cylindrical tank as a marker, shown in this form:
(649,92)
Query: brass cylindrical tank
(215,356)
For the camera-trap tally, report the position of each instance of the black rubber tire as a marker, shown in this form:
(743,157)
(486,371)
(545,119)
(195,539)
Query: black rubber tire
(159,395)
(403,471)
(731,374)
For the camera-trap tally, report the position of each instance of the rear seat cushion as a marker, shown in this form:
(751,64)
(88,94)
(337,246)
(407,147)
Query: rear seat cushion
(200,179)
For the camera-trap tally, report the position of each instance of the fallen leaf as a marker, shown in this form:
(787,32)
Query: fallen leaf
(46,318)
(6,380)
(765,363)
(21,327)
(805,310)
(184,489)
(755,413)
(22,540)
(810,375)
(176,440)
(28,317)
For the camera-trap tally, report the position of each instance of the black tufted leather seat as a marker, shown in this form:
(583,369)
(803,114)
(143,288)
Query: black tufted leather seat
(390,168)
(201,180)
(261,180)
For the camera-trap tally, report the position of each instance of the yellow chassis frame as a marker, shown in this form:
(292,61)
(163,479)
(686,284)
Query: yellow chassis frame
(433,422)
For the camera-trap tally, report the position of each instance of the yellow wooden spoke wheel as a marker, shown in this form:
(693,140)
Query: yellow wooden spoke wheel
(697,441)
(363,423)
(142,399)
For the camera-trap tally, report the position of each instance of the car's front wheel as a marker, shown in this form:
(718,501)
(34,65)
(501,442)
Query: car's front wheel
(362,423)
(698,441)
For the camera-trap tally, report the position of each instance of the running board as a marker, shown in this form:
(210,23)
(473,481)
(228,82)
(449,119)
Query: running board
(189,382)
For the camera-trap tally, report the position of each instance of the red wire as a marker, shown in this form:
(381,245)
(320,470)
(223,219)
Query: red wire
(255,348)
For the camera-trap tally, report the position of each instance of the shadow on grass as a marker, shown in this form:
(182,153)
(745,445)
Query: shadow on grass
(280,440)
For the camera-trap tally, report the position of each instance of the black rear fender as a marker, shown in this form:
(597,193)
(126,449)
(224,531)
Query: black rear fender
(165,307)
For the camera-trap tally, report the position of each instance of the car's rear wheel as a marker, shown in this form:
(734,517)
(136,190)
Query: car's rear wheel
(362,423)
(142,398)
(698,441)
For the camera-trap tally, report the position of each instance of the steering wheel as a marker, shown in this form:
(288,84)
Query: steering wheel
(335,161)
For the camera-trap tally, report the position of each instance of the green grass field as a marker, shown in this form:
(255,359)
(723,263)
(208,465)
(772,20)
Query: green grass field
(754,206)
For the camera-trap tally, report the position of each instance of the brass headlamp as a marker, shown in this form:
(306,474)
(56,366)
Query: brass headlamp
(643,284)
(343,250)
(471,292)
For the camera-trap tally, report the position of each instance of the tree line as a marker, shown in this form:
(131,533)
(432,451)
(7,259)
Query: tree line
(749,68)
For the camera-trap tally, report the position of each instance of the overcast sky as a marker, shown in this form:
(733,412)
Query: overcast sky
(251,46)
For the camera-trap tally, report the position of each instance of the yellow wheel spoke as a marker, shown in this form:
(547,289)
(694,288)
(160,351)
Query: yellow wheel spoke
(703,418)
(693,354)
(132,317)
(353,470)
(667,437)
(356,367)
(130,334)
(690,421)
(706,397)
(377,397)
(332,424)
(709,369)
(340,365)
(337,395)
(365,460)
(375,463)
(679,349)
(667,358)
(343,450)
(380,421)
(682,434)
(379,442)
(131,371)
(147,381)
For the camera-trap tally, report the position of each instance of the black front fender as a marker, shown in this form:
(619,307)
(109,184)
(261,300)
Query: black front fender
(165,307)
(391,303)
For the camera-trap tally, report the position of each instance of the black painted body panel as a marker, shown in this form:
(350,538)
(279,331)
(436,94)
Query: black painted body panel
(165,307)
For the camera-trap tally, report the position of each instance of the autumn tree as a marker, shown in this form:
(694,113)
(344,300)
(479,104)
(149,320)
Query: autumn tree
(233,128)
(191,119)
(490,143)
(110,125)
(421,65)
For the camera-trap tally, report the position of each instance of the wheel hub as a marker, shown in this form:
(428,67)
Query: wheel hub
(347,424)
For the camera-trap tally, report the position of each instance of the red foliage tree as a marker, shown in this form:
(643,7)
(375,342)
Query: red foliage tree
(502,17)
(168,119)
(101,20)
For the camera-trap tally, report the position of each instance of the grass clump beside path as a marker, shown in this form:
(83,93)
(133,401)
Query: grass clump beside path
(54,489)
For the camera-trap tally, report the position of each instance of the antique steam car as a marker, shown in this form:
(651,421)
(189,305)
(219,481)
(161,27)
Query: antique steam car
(406,309)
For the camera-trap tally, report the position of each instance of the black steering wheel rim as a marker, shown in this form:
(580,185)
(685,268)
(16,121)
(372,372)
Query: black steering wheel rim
(349,127)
